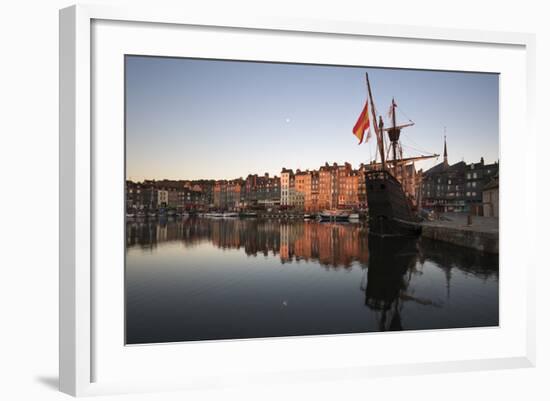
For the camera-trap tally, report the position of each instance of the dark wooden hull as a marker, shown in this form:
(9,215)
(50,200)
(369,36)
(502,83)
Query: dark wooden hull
(390,213)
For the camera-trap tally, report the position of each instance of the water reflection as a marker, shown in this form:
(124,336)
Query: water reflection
(331,244)
(201,278)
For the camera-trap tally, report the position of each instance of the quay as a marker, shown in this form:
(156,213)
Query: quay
(480,233)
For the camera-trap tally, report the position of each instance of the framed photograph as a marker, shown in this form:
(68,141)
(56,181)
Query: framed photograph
(275,200)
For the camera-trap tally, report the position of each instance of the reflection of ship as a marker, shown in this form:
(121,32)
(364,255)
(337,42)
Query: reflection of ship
(389,261)
(392,265)
(390,195)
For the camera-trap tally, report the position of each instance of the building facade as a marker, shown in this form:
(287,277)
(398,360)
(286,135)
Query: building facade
(457,187)
(490,198)
(287,188)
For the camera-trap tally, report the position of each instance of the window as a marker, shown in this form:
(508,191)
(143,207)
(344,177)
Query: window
(475,175)
(468,193)
(468,176)
(474,184)
(474,193)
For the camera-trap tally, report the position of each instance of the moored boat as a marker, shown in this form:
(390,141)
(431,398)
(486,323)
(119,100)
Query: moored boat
(215,215)
(334,215)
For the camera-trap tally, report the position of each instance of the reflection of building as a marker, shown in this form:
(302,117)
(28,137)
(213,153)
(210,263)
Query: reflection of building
(334,245)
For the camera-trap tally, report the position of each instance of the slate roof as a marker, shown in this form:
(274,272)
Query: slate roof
(440,168)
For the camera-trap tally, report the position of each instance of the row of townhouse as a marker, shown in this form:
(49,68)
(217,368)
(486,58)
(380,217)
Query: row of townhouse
(166,194)
(254,192)
(330,187)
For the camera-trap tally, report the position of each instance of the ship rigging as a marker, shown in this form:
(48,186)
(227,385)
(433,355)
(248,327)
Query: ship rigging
(390,183)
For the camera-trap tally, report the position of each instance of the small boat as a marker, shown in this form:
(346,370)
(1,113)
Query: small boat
(307,216)
(334,215)
(354,216)
(230,215)
(214,215)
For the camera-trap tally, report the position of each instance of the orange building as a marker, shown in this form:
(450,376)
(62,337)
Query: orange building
(227,194)
(311,198)
(300,189)
(348,191)
(332,181)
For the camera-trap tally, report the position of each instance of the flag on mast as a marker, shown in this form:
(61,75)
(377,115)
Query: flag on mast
(362,124)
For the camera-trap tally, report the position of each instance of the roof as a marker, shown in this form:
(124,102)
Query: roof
(493,184)
(441,168)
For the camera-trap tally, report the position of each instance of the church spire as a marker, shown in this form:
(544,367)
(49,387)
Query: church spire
(445,161)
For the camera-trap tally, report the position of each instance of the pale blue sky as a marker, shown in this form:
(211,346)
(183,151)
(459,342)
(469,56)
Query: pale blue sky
(190,119)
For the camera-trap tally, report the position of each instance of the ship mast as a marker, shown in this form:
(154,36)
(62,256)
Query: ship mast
(377,130)
(394,125)
(394,132)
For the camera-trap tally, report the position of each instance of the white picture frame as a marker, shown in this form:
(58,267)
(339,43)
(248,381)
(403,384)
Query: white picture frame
(79,155)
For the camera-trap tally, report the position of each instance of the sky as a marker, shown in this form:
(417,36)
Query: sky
(212,119)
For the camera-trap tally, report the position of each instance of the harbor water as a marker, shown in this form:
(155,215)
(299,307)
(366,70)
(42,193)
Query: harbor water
(213,278)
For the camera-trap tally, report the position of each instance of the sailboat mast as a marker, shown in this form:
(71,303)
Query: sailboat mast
(379,138)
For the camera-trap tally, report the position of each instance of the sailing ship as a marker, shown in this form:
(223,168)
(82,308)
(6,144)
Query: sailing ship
(391,198)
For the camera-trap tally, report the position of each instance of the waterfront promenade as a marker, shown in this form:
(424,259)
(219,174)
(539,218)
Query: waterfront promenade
(481,234)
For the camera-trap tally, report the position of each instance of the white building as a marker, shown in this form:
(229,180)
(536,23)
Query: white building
(162,197)
(287,187)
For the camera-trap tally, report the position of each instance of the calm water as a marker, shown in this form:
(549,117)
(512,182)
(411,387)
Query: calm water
(199,278)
